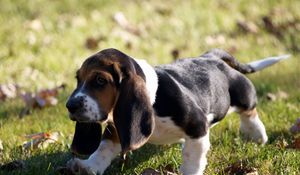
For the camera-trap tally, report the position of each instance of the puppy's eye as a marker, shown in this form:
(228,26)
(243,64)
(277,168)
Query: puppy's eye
(100,81)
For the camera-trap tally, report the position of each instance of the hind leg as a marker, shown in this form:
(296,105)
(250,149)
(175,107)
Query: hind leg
(252,127)
(243,96)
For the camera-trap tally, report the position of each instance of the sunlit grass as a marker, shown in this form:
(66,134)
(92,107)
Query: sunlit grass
(43,43)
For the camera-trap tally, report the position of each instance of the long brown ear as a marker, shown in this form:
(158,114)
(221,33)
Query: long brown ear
(133,113)
(87,138)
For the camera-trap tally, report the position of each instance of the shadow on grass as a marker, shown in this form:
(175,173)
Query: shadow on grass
(47,163)
(40,164)
(281,135)
(10,109)
(137,157)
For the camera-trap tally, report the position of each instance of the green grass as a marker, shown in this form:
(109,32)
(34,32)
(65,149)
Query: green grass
(48,54)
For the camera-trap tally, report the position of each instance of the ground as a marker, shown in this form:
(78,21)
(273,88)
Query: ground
(43,42)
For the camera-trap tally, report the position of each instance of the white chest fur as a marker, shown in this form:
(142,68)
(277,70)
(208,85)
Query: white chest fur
(166,132)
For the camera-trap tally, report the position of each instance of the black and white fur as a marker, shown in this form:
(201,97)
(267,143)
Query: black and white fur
(188,97)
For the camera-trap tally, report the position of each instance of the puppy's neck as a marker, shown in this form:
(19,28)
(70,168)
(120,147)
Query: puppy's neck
(151,79)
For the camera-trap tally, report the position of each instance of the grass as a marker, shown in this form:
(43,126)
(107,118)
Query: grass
(43,43)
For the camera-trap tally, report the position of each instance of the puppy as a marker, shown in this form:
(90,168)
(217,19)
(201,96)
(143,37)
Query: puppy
(177,102)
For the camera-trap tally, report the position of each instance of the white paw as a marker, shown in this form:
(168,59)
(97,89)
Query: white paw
(78,166)
(254,130)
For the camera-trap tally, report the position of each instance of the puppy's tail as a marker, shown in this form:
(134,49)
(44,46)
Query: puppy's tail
(244,68)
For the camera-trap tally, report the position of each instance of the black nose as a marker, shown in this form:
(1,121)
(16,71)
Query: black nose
(74,104)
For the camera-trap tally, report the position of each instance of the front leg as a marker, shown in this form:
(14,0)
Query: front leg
(194,155)
(97,163)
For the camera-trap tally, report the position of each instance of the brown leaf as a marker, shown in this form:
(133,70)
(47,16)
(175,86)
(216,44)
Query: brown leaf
(232,49)
(281,143)
(247,26)
(128,45)
(270,27)
(296,127)
(240,168)
(14,165)
(91,43)
(41,99)
(169,170)
(295,144)
(41,140)
(163,10)
(279,29)
(175,53)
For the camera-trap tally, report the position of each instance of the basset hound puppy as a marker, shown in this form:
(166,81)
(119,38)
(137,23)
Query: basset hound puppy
(177,102)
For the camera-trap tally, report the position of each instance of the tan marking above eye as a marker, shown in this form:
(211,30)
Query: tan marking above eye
(103,74)
(93,74)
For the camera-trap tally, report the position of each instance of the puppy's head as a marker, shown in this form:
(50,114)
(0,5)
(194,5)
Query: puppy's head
(111,82)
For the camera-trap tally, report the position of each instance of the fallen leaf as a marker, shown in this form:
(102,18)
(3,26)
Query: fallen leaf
(270,27)
(175,53)
(163,10)
(271,96)
(296,127)
(93,42)
(34,24)
(41,99)
(247,26)
(281,143)
(215,39)
(168,170)
(240,168)
(278,29)
(14,165)
(280,95)
(295,144)
(41,140)
(79,21)
(232,49)
(125,36)
(8,91)
(128,45)
(292,106)
(121,20)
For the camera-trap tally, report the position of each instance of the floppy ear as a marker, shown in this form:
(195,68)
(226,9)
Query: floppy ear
(86,138)
(133,113)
